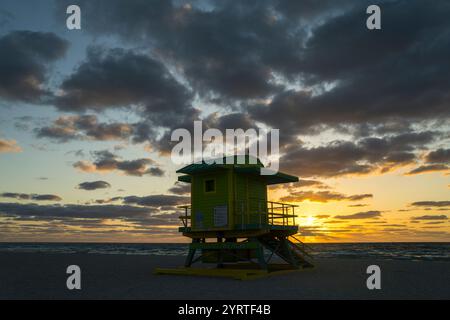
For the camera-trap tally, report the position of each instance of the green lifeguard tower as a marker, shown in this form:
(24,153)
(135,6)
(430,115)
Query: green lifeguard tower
(230,220)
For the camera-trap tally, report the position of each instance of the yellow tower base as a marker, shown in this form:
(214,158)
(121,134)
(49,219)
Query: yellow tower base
(241,273)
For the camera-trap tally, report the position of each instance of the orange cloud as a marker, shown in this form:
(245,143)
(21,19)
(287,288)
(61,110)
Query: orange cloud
(9,146)
(85,166)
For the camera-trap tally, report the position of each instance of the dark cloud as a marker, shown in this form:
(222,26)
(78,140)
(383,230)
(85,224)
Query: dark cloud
(437,160)
(155,171)
(431,204)
(438,156)
(180,188)
(21,196)
(110,200)
(74,211)
(356,62)
(103,201)
(306,183)
(430,217)
(231,51)
(361,157)
(428,168)
(301,66)
(229,121)
(24,58)
(237,50)
(106,161)
(310,183)
(45,197)
(117,77)
(323,196)
(94,185)
(360,215)
(159,200)
(26,196)
(122,79)
(84,127)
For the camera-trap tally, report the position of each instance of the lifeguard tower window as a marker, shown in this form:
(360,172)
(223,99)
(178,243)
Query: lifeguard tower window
(210,185)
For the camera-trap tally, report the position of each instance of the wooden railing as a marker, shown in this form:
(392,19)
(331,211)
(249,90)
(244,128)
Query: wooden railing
(260,212)
(254,212)
(186,218)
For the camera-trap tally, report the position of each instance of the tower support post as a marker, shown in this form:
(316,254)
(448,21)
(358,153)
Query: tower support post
(191,253)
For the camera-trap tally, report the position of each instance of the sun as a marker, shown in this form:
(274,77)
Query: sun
(310,220)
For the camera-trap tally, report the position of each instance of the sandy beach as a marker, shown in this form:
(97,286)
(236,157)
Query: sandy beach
(43,276)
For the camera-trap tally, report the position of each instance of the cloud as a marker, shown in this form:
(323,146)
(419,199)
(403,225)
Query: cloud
(307,183)
(359,67)
(155,171)
(430,217)
(21,196)
(180,188)
(270,63)
(24,59)
(159,200)
(26,196)
(73,211)
(45,197)
(252,47)
(428,168)
(439,156)
(437,160)
(360,215)
(323,196)
(431,204)
(364,156)
(84,127)
(235,59)
(107,162)
(94,185)
(124,80)
(103,201)
(117,77)
(9,146)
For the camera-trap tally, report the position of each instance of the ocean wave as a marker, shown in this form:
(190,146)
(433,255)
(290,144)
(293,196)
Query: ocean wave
(391,251)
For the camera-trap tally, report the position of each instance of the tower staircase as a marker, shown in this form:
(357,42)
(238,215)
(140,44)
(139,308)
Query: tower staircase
(290,249)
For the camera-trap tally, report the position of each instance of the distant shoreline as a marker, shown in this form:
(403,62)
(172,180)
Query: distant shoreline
(381,251)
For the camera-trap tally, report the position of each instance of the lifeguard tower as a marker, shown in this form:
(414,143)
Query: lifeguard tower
(231,222)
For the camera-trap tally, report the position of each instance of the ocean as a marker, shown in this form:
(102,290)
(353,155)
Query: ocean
(391,251)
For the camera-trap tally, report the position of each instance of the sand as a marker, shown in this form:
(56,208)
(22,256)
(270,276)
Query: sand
(43,276)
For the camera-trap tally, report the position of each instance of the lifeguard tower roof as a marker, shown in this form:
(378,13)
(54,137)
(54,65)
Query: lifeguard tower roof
(241,164)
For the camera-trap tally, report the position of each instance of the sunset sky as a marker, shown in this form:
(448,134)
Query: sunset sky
(86,115)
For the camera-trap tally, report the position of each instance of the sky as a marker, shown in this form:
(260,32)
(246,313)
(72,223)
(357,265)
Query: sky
(86,115)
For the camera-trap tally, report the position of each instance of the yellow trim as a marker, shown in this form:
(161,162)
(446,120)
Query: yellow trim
(238,274)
